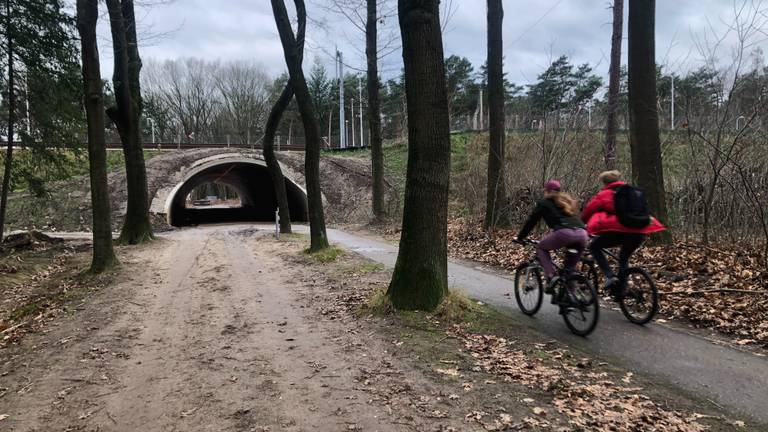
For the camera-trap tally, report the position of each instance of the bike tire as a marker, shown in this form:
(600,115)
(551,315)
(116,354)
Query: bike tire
(586,300)
(647,294)
(535,292)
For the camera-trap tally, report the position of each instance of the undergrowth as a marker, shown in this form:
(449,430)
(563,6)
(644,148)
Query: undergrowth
(456,308)
(324,256)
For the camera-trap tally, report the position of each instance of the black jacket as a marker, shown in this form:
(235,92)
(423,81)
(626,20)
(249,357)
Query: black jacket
(554,217)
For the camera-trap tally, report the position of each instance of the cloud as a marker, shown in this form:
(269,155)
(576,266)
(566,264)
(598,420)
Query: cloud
(535,31)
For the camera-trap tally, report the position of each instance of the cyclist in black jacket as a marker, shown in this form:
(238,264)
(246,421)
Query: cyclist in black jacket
(559,211)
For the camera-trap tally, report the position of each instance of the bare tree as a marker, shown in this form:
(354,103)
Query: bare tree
(318,235)
(376,11)
(647,167)
(496,192)
(103,252)
(188,88)
(614,78)
(126,115)
(723,134)
(245,96)
(374,109)
(420,278)
(273,122)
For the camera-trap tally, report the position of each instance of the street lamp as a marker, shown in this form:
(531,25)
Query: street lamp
(152,127)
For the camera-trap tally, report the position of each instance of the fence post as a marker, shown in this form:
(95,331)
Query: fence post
(277,223)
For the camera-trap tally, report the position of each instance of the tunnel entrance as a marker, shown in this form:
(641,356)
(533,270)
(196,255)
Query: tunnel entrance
(213,196)
(231,191)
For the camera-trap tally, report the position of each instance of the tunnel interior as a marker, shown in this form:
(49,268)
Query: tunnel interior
(249,181)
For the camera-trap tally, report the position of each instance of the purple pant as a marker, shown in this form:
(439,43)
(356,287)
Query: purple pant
(575,238)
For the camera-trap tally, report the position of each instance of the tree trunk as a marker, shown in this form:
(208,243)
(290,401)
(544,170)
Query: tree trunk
(496,193)
(293,58)
(645,143)
(11,120)
(273,122)
(103,253)
(614,83)
(420,278)
(374,111)
(126,115)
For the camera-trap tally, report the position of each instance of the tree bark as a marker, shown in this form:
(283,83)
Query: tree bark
(103,252)
(273,122)
(293,59)
(614,83)
(374,111)
(496,192)
(645,143)
(126,115)
(11,120)
(420,278)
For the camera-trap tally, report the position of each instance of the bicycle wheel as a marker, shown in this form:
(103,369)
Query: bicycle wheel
(582,307)
(640,302)
(529,288)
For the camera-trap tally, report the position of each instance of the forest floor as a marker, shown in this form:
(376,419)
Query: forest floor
(224,328)
(724,289)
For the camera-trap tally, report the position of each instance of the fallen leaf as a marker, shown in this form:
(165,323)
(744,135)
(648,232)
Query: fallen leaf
(450,372)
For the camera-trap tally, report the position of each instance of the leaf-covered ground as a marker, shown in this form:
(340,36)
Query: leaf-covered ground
(497,376)
(724,288)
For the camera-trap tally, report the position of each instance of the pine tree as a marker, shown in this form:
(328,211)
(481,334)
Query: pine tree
(36,37)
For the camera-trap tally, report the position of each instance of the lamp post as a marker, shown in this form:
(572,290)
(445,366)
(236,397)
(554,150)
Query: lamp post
(352,105)
(672,110)
(360,90)
(152,127)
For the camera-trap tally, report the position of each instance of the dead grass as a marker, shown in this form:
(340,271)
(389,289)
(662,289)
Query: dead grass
(325,256)
(456,308)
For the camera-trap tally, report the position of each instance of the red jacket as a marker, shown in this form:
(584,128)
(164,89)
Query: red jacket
(600,214)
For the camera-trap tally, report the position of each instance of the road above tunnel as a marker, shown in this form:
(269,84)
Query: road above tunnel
(735,379)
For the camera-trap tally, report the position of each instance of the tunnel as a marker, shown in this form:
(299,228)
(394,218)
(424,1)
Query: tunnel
(251,181)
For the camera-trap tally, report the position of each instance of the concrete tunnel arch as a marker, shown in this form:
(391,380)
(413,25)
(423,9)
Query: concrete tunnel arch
(250,178)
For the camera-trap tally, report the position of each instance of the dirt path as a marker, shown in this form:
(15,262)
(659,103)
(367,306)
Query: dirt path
(206,333)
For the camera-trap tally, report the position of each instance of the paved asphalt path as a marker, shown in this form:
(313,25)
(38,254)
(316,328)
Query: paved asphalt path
(728,377)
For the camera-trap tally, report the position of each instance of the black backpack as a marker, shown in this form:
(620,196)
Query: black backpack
(631,207)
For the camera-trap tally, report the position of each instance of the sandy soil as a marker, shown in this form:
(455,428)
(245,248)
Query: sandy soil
(226,329)
(210,330)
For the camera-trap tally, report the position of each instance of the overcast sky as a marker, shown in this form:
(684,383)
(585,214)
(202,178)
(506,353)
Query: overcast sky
(535,31)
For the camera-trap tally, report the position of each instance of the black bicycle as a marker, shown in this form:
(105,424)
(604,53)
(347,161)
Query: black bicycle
(573,293)
(640,301)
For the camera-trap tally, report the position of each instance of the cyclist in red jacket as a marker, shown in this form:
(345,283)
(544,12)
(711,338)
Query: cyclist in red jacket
(603,223)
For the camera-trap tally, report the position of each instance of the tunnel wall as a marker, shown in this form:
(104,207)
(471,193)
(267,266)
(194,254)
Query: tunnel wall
(250,178)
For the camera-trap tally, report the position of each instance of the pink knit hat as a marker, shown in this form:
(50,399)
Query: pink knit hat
(552,186)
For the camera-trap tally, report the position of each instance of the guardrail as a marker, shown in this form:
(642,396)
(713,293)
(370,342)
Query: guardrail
(171,146)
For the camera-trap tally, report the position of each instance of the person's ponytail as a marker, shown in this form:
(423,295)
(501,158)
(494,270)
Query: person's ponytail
(566,203)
